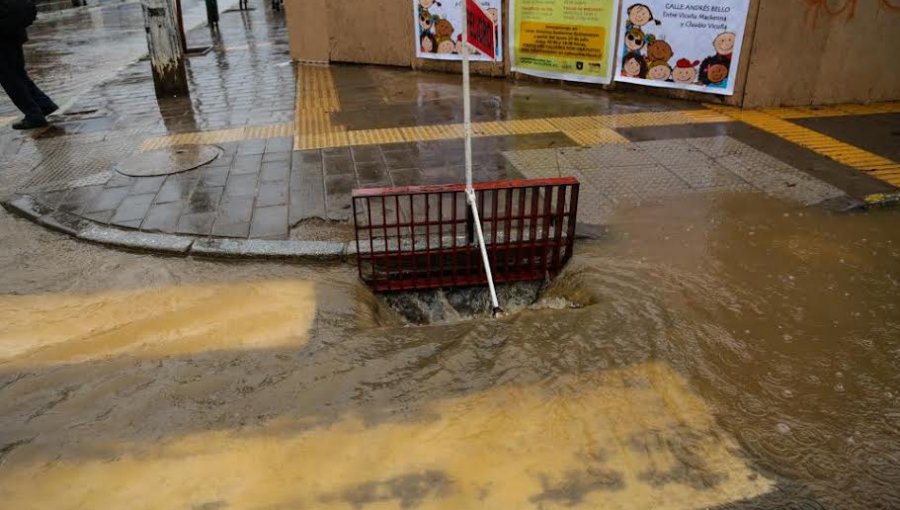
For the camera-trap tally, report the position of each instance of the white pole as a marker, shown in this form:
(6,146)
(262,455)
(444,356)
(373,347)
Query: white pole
(495,304)
(470,192)
(467,100)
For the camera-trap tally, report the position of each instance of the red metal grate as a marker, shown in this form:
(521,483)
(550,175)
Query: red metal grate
(422,237)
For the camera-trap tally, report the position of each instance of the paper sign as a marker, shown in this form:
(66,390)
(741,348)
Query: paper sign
(564,39)
(438,29)
(482,31)
(692,45)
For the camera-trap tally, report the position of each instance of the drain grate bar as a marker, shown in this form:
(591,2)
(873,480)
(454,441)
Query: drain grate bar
(423,237)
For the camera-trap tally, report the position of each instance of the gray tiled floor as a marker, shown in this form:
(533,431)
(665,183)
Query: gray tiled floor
(630,173)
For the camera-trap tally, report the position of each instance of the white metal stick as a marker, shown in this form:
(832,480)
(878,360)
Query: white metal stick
(495,304)
(470,191)
(467,101)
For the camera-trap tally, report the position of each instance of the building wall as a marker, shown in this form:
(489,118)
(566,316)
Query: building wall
(307,22)
(795,52)
(824,51)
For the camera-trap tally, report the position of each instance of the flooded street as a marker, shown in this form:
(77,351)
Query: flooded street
(715,351)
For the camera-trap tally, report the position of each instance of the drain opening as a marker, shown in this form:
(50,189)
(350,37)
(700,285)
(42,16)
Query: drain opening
(468,303)
(456,304)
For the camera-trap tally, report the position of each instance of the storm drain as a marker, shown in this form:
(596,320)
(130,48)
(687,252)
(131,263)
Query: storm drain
(459,304)
(471,303)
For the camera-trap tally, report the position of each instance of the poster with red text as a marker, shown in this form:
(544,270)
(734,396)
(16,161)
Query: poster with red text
(692,45)
(438,29)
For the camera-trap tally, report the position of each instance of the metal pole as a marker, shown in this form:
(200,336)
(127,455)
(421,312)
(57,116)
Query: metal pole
(467,101)
(470,192)
(212,13)
(166,52)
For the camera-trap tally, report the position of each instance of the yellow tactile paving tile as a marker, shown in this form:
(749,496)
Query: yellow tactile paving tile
(703,116)
(375,136)
(595,136)
(316,123)
(844,153)
(270,131)
(494,128)
(321,141)
(529,126)
(662,118)
(316,89)
(841,110)
(220,136)
(576,123)
(435,132)
(314,129)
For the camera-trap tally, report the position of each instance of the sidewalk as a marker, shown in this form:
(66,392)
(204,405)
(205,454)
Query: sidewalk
(295,140)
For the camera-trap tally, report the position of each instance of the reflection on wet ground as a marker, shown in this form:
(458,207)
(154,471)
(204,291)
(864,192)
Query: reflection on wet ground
(72,50)
(728,351)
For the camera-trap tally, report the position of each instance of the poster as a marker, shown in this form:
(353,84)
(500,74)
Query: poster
(566,39)
(439,28)
(691,45)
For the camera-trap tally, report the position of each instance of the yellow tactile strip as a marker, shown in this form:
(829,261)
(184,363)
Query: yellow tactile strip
(844,153)
(586,130)
(221,136)
(800,112)
(315,130)
(316,90)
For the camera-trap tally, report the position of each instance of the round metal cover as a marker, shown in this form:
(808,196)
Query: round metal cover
(171,160)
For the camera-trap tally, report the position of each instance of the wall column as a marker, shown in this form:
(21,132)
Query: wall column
(307,22)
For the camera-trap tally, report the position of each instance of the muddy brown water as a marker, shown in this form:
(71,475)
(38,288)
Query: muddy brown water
(719,352)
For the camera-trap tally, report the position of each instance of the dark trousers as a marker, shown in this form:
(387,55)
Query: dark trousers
(18,86)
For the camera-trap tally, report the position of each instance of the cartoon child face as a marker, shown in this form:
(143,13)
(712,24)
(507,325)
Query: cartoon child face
(659,71)
(724,43)
(493,14)
(684,74)
(443,29)
(632,67)
(428,43)
(639,14)
(659,50)
(634,39)
(426,4)
(717,73)
(446,46)
(459,47)
(426,20)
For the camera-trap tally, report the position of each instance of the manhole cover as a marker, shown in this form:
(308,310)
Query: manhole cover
(171,160)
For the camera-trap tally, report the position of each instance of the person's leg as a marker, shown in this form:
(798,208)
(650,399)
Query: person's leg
(11,64)
(46,104)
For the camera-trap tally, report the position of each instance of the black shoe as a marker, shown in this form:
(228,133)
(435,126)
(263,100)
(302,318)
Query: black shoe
(49,110)
(30,124)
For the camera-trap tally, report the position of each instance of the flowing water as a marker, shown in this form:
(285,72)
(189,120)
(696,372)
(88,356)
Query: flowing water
(721,352)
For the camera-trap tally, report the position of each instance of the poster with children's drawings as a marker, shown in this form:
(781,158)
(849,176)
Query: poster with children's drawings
(691,45)
(438,28)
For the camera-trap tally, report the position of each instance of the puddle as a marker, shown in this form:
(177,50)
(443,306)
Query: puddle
(724,353)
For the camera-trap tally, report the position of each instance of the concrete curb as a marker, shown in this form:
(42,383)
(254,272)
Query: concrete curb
(174,244)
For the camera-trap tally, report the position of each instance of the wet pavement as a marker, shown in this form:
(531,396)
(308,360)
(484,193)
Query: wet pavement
(727,352)
(295,141)
(731,342)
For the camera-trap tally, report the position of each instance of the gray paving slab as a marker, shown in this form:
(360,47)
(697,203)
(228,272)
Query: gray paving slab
(162,217)
(629,173)
(269,222)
